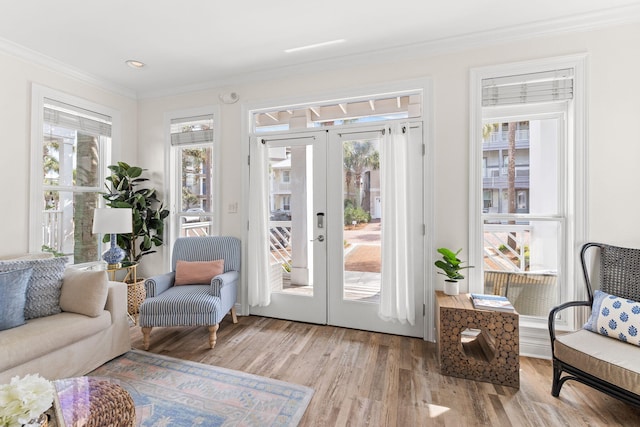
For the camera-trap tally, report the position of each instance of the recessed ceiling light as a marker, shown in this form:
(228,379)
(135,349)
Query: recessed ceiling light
(134,63)
(313,46)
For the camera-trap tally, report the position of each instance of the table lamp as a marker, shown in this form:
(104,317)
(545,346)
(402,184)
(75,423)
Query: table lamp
(113,221)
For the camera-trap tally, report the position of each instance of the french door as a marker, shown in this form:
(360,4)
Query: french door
(325,228)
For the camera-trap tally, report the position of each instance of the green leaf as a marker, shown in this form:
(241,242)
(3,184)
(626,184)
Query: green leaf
(134,172)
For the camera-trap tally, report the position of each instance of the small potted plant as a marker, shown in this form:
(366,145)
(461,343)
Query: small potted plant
(451,265)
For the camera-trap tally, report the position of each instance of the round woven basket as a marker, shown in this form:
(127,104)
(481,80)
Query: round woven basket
(102,403)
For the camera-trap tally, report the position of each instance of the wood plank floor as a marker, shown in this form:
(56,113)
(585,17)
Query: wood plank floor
(371,379)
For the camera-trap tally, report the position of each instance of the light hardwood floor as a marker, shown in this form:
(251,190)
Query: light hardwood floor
(370,379)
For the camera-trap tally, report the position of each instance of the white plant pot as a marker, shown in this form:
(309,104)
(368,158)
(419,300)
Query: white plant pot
(451,287)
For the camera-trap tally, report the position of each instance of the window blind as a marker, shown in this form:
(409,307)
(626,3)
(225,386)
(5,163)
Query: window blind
(192,130)
(546,86)
(65,115)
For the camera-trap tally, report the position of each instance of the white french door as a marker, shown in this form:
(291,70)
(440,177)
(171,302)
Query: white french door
(325,223)
(297,252)
(357,249)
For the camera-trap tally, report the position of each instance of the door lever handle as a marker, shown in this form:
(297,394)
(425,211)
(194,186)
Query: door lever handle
(320,238)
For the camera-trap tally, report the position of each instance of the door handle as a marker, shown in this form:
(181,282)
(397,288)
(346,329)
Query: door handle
(320,238)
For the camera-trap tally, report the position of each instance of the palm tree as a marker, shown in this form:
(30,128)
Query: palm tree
(197,160)
(358,156)
(85,247)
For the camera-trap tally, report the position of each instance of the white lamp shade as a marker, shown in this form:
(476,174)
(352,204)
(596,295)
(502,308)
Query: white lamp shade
(112,220)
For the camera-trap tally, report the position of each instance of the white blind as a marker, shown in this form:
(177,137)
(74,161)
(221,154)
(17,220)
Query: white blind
(192,130)
(65,115)
(547,86)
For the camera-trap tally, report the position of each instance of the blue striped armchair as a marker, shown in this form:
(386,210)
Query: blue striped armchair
(198,304)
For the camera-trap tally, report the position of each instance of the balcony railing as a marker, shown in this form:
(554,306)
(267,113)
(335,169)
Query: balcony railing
(500,252)
(522,135)
(498,171)
(195,229)
(52,232)
(280,243)
(281,187)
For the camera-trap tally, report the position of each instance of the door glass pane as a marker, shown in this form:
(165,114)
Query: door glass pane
(290,221)
(362,220)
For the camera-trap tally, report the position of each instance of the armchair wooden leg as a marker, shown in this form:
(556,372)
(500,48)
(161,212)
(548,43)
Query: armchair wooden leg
(146,335)
(233,314)
(213,336)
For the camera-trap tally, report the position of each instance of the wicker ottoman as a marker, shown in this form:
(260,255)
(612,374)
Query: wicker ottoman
(93,402)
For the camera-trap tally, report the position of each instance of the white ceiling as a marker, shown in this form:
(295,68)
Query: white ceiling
(205,43)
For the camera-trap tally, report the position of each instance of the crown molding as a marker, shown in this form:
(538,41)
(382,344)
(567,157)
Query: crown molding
(566,25)
(31,56)
(570,24)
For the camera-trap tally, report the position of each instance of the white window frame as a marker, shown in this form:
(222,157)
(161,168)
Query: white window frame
(534,335)
(38,95)
(173,181)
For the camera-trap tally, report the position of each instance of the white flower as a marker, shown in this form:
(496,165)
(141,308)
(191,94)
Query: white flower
(24,400)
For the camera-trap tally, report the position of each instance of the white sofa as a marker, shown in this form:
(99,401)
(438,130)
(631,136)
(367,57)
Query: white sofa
(70,343)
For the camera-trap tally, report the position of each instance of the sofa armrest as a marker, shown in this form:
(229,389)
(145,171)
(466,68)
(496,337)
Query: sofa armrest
(223,280)
(116,300)
(156,285)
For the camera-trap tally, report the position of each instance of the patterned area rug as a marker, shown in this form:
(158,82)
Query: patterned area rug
(173,392)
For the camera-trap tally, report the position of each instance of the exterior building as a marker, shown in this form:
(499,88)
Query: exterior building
(495,161)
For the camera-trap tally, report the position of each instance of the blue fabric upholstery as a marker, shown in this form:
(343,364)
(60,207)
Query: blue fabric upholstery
(188,305)
(193,305)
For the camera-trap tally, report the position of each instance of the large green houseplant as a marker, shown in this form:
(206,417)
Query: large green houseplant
(125,190)
(450,266)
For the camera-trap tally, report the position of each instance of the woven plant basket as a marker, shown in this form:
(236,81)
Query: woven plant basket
(136,293)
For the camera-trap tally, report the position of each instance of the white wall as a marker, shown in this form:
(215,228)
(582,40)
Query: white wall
(613,145)
(613,87)
(16,78)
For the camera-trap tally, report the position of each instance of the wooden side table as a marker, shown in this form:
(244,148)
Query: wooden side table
(475,344)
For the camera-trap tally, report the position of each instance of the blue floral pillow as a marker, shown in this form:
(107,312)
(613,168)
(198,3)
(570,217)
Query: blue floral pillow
(615,317)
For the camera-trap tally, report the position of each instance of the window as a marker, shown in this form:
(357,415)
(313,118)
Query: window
(286,176)
(71,144)
(344,112)
(192,157)
(529,116)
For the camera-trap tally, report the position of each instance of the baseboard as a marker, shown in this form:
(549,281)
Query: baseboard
(535,342)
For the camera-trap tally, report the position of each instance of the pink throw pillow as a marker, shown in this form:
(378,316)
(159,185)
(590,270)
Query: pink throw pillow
(197,272)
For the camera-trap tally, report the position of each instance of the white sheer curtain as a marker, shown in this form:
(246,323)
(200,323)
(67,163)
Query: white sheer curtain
(257,252)
(396,293)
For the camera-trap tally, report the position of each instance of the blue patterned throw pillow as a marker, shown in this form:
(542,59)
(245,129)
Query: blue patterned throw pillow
(615,317)
(44,287)
(13,295)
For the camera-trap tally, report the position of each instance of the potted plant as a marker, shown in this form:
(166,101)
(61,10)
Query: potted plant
(451,265)
(124,191)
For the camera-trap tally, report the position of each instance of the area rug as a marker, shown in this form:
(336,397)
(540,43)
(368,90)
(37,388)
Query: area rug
(173,392)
